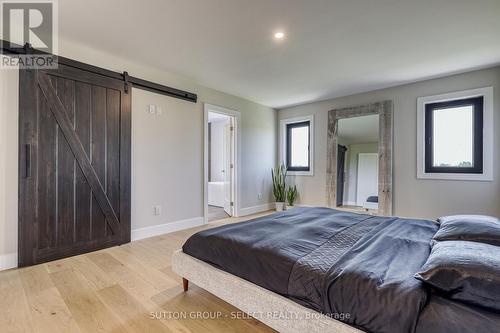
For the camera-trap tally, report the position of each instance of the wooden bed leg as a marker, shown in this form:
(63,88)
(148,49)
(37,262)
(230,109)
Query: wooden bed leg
(185,284)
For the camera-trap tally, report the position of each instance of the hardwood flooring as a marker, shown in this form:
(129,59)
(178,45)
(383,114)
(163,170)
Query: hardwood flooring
(216,213)
(129,288)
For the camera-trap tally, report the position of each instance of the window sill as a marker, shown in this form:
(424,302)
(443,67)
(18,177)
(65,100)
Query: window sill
(457,176)
(300,173)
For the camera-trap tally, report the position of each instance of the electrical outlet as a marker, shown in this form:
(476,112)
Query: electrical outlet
(259,196)
(157,210)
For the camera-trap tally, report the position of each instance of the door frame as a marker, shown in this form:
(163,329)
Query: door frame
(229,163)
(237,145)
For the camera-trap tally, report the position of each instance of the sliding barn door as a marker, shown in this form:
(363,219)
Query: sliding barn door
(74,179)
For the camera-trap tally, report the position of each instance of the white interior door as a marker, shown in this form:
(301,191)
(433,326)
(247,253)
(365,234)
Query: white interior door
(367,183)
(228,166)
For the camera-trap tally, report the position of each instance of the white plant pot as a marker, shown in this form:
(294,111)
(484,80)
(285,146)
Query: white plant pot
(280,206)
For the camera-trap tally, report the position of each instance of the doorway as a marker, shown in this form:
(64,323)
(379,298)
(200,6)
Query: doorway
(220,162)
(367,180)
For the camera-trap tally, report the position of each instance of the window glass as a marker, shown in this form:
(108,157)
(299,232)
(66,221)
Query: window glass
(299,146)
(453,137)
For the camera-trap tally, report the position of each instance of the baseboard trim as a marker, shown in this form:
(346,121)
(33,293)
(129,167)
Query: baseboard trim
(166,228)
(8,261)
(256,209)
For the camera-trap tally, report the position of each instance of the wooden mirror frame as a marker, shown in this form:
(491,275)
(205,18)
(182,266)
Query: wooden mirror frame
(384,110)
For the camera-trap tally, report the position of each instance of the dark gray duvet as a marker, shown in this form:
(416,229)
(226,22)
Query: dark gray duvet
(358,267)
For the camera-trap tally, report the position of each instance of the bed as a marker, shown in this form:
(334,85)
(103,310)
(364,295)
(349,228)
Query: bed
(324,270)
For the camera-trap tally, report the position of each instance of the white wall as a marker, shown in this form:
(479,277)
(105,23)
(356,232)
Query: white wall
(412,197)
(165,165)
(351,168)
(9,112)
(167,151)
(257,128)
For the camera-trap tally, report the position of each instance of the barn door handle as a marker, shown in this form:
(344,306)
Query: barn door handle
(27,165)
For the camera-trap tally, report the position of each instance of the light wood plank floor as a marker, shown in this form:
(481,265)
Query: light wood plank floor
(115,290)
(216,213)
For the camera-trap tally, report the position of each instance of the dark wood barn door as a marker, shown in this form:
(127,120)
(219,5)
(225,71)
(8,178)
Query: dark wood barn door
(74,170)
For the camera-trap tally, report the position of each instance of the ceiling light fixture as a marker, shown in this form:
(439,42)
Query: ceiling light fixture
(279,35)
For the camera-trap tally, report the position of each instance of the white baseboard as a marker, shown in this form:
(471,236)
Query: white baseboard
(166,228)
(8,261)
(256,209)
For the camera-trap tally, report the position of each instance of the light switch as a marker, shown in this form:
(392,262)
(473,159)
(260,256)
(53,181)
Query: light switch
(152,109)
(157,210)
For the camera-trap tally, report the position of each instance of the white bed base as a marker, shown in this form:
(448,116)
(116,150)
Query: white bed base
(268,307)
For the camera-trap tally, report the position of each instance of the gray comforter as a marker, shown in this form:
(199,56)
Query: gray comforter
(351,266)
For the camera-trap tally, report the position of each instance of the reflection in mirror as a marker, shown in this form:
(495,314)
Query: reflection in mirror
(358,164)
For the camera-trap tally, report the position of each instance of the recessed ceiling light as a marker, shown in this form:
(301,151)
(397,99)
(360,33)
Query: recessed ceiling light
(279,35)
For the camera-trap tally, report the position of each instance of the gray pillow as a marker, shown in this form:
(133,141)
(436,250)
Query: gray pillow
(465,271)
(474,228)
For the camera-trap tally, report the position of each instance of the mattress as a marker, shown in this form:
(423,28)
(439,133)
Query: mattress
(444,315)
(354,266)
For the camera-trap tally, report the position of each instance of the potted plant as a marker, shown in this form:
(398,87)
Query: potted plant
(291,196)
(279,189)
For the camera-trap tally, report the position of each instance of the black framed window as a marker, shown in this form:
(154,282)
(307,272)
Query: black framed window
(298,145)
(454,136)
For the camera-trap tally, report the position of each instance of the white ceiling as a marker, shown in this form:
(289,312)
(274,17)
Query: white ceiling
(358,130)
(332,47)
